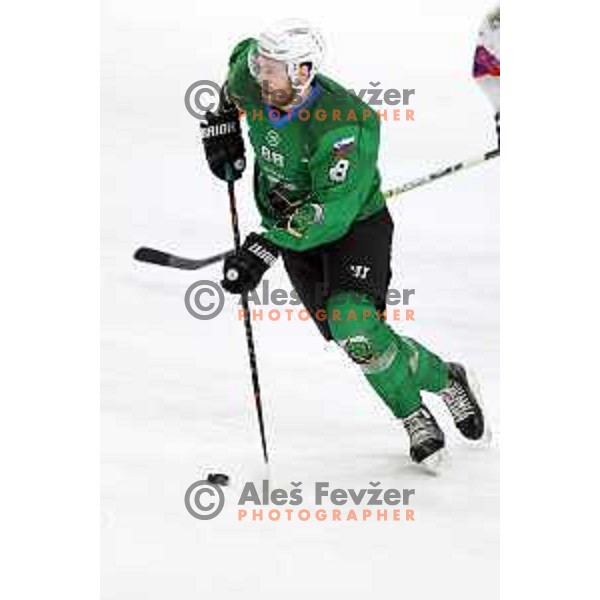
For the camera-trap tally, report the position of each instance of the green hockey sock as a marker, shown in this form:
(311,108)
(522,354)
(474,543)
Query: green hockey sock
(396,367)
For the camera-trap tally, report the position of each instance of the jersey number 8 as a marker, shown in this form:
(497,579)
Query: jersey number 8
(339,171)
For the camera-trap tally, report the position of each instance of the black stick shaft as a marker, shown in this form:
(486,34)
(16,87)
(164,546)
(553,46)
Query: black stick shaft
(248,327)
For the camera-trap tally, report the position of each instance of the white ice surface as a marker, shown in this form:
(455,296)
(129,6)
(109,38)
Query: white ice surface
(176,395)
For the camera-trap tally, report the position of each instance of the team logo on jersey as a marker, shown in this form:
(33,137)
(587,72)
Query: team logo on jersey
(275,158)
(272,138)
(343,147)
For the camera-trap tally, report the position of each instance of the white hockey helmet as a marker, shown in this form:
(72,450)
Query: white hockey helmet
(292,42)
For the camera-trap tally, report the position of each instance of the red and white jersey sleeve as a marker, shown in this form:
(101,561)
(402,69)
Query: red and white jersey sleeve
(486,63)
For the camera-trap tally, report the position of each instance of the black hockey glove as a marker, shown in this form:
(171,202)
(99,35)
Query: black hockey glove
(223,142)
(294,212)
(244,269)
(283,202)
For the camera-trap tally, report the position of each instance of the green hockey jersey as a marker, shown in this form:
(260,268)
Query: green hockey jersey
(324,151)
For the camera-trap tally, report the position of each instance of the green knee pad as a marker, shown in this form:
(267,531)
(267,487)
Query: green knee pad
(397,368)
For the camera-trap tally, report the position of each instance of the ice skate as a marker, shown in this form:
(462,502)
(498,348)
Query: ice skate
(427,441)
(461,399)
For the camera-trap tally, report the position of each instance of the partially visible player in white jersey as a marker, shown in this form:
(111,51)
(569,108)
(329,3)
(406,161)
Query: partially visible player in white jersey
(486,63)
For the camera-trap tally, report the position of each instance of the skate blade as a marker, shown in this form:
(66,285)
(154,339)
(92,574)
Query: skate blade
(435,463)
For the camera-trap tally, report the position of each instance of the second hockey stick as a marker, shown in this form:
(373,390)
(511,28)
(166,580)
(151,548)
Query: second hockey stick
(443,172)
(165,259)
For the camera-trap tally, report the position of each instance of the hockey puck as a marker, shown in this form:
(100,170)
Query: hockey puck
(218,478)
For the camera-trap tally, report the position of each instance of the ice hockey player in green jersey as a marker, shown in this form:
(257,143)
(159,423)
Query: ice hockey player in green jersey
(317,188)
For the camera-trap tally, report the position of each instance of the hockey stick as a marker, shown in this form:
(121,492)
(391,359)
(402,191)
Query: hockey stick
(165,259)
(248,326)
(157,257)
(465,164)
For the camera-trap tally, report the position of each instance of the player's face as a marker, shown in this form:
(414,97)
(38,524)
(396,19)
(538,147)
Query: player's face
(275,84)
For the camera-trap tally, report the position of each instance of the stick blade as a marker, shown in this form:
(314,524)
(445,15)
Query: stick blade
(153,256)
